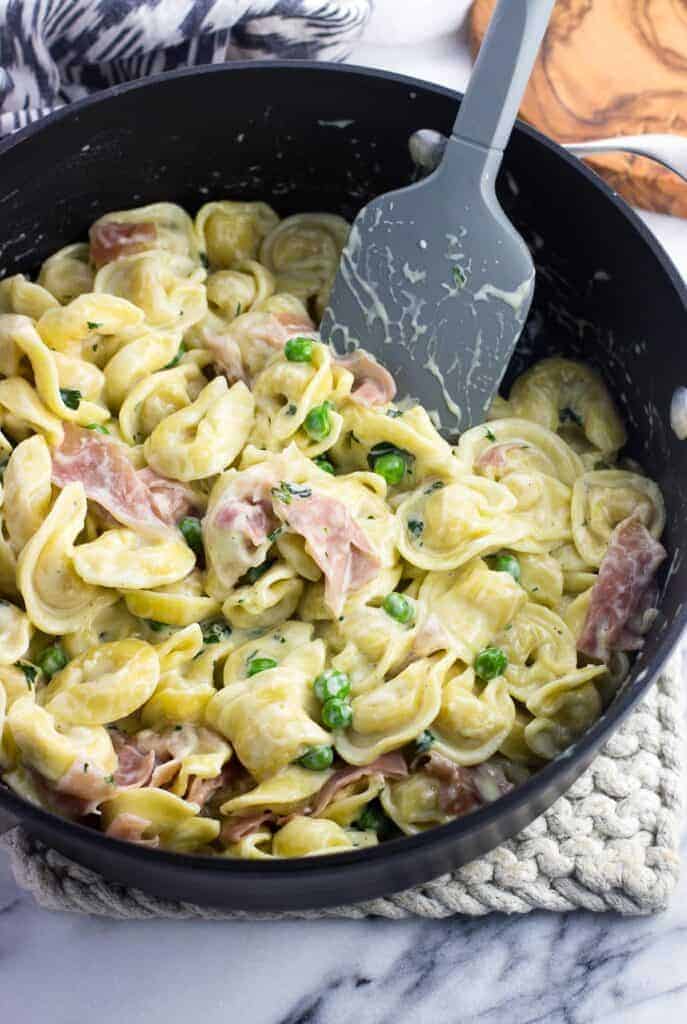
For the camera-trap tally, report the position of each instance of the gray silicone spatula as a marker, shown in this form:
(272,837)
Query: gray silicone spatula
(434,280)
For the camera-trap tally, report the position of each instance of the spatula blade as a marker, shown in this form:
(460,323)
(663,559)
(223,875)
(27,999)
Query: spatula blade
(437,288)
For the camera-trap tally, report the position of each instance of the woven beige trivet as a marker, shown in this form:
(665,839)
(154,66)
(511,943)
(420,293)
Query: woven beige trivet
(611,843)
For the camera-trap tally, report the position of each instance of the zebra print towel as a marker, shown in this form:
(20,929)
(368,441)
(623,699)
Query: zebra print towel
(56,51)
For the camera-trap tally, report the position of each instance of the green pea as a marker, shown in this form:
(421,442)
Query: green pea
(52,659)
(317,759)
(256,665)
(391,466)
(317,423)
(337,713)
(509,564)
(490,663)
(298,350)
(255,572)
(192,533)
(71,397)
(324,464)
(398,607)
(331,683)
(373,819)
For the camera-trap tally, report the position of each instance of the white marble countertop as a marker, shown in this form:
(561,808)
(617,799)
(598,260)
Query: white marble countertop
(558,969)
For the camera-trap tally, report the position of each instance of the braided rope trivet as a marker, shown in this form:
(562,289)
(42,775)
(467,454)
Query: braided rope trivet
(611,843)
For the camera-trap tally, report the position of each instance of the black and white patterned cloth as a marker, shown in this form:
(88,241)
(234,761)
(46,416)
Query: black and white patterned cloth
(55,51)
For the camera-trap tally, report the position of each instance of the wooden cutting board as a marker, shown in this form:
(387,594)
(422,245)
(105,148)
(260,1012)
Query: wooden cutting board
(611,67)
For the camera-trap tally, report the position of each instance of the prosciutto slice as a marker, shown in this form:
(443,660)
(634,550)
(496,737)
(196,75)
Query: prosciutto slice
(619,596)
(131,827)
(86,785)
(113,239)
(337,544)
(391,766)
(372,383)
(141,500)
(237,528)
(134,768)
(239,828)
(458,792)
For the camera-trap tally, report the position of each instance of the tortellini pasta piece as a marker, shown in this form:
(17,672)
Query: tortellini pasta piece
(52,748)
(27,489)
(563,710)
(539,647)
(445,528)
(23,411)
(472,725)
(56,597)
(167,288)
(174,822)
(303,253)
(132,561)
(102,625)
(414,803)
(173,228)
(19,295)
(69,328)
(205,437)
(310,837)
(15,634)
(393,713)
(232,231)
(603,499)
(265,719)
(236,291)
(282,793)
(271,599)
(471,606)
(67,273)
(178,604)
(352,800)
(512,445)
(154,399)
(136,360)
(103,684)
(557,390)
(45,371)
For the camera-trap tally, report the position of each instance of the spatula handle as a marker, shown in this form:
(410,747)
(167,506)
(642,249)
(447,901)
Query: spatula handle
(502,71)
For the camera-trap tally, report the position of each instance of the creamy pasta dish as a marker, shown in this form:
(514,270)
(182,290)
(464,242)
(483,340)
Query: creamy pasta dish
(254,607)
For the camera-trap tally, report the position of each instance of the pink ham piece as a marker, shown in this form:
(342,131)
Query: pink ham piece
(87,785)
(493,461)
(239,828)
(112,239)
(372,384)
(620,592)
(134,768)
(430,638)
(200,790)
(130,827)
(170,500)
(458,793)
(391,766)
(109,478)
(257,337)
(337,544)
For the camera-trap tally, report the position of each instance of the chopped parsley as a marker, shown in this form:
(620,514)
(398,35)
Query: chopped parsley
(274,534)
(424,741)
(30,672)
(109,779)
(286,491)
(204,261)
(214,631)
(254,573)
(93,325)
(238,309)
(71,397)
(156,627)
(490,435)
(415,527)
(3,466)
(459,277)
(97,427)
(393,414)
(177,358)
(436,486)
(85,766)
(291,409)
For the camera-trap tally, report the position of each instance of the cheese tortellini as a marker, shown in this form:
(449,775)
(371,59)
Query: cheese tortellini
(251,607)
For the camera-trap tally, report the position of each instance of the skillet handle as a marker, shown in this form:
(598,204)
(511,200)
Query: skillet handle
(669,150)
(501,72)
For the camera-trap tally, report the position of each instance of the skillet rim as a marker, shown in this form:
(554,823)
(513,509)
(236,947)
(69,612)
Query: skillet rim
(525,794)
